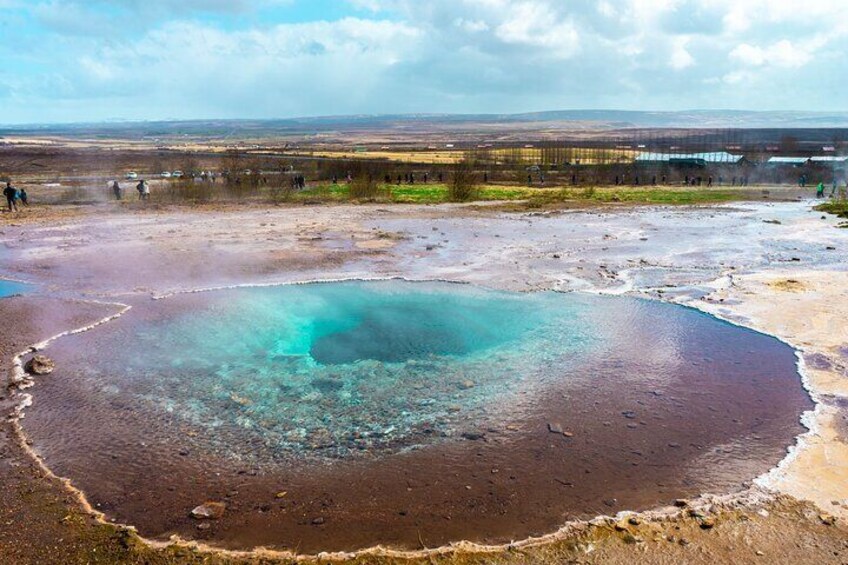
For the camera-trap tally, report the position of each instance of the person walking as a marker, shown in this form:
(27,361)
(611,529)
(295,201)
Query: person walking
(820,190)
(116,190)
(22,196)
(143,190)
(11,194)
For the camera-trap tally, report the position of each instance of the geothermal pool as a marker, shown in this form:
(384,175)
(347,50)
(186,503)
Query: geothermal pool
(342,415)
(10,288)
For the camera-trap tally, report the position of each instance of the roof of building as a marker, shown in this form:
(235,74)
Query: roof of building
(712,157)
(788,160)
(829,159)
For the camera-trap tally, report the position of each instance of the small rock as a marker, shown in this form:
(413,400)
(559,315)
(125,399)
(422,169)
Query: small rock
(759,553)
(281,494)
(681,502)
(631,539)
(554,428)
(40,365)
(318,521)
(827,519)
(465,385)
(209,511)
(204,526)
(707,523)
(634,521)
(473,436)
(611,502)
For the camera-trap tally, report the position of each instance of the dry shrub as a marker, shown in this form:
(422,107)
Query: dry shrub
(463,184)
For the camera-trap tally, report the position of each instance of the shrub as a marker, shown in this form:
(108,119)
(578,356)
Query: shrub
(463,183)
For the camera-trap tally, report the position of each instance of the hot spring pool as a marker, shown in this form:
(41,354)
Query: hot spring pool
(10,288)
(385,406)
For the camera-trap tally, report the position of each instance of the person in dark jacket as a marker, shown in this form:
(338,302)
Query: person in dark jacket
(11,193)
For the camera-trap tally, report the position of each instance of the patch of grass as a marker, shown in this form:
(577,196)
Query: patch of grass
(838,208)
(666,196)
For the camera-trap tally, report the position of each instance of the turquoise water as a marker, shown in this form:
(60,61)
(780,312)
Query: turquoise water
(348,366)
(9,288)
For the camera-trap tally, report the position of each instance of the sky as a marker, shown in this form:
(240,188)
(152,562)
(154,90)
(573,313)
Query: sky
(98,60)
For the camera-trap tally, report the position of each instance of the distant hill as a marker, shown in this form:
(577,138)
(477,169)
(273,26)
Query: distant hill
(564,120)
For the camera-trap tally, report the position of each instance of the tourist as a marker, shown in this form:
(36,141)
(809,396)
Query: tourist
(709,181)
(10,193)
(820,190)
(116,189)
(143,190)
(833,188)
(22,196)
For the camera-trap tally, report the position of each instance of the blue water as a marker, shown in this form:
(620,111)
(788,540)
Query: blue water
(345,366)
(10,288)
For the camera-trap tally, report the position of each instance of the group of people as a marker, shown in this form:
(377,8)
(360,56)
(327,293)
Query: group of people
(143,189)
(14,195)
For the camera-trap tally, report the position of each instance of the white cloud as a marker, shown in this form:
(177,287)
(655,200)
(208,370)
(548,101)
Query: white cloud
(187,57)
(680,57)
(780,54)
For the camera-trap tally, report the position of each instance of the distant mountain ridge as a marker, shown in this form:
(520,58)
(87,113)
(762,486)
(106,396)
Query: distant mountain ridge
(561,119)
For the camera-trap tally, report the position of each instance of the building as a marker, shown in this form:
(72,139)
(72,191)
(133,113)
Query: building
(691,159)
(788,161)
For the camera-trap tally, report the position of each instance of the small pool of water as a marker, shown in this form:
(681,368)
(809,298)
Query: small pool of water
(11,288)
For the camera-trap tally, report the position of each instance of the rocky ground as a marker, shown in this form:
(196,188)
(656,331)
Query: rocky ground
(779,268)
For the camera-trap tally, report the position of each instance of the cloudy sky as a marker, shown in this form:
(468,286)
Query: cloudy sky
(91,60)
